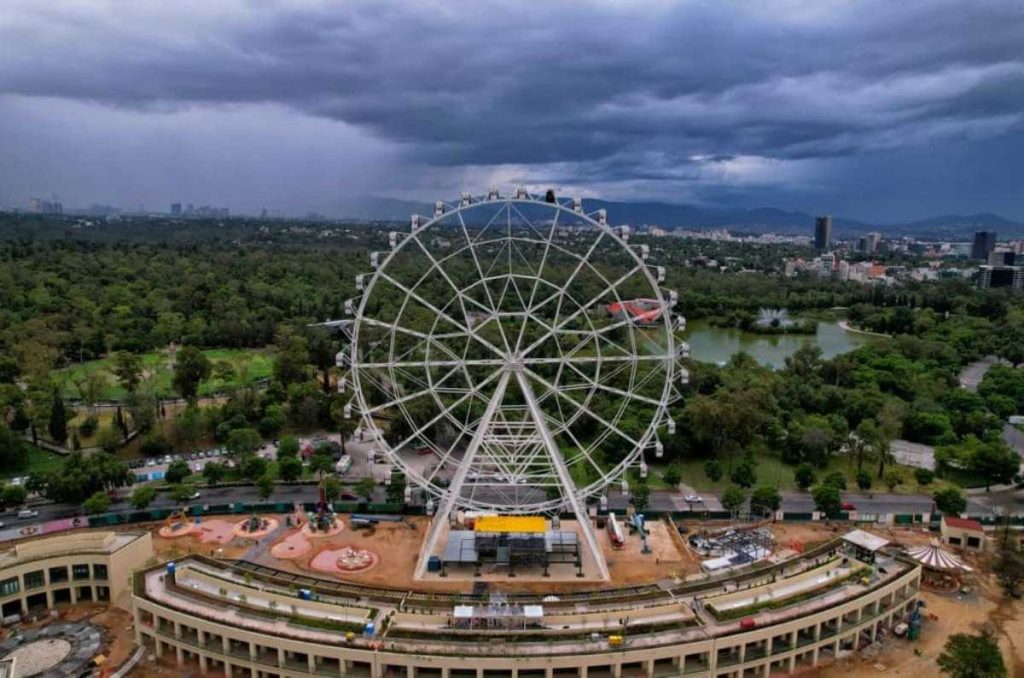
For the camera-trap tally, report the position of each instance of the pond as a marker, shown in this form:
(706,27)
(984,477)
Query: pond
(717,344)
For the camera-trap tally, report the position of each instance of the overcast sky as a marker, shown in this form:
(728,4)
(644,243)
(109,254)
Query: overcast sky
(880,110)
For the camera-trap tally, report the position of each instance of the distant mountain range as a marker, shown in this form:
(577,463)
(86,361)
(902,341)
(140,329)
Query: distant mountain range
(759,220)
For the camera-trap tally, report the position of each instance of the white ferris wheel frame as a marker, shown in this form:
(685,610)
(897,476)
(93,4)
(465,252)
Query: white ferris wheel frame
(512,365)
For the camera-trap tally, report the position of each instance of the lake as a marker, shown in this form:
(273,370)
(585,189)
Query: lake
(711,344)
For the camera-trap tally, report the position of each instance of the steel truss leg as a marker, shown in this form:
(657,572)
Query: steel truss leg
(565,480)
(450,499)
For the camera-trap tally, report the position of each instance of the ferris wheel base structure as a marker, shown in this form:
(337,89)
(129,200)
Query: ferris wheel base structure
(526,346)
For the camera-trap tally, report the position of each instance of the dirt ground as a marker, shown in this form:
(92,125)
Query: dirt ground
(955,613)
(177,547)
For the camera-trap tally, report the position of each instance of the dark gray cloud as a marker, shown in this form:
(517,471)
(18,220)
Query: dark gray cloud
(697,100)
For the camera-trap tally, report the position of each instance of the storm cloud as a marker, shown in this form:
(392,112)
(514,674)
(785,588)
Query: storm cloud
(797,104)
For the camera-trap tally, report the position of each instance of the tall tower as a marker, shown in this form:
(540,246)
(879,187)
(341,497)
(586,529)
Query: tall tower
(823,232)
(984,244)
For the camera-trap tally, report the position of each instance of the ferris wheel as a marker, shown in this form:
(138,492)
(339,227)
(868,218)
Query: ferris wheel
(514,355)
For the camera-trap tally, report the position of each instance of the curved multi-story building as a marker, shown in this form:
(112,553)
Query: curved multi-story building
(253,621)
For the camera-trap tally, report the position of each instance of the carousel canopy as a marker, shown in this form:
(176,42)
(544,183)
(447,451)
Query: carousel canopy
(935,558)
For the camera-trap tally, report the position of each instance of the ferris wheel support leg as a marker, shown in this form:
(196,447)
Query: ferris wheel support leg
(451,497)
(564,479)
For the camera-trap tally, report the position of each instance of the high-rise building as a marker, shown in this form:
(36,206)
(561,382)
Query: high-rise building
(984,243)
(1001,276)
(1002,258)
(176,208)
(822,232)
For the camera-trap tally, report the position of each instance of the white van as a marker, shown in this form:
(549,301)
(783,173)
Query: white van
(27,513)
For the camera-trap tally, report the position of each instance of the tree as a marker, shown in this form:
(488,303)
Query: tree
(127,368)
(745,473)
(396,489)
(183,493)
(214,472)
(827,500)
(365,487)
(332,488)
(733,498)
(673,475)
(995,462)
(321,462)
(290,363)
(289,469)
(191,368)
(804,476)
(924,476)
(288,447)
(58,425)
(1008,563)
(98,503)
(13,452)
(893,479)
(177,471)
(273,420)
(765,499)
(109,439)
(243,441)
(713,470)
(265,486)
(251,466)
(972,656)
(863,480)
(13,495)
(640,493)
(142,407)
(950,500)
(143,496)
(837,479)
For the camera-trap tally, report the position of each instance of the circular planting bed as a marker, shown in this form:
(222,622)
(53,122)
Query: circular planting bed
(255,529)
(345,560)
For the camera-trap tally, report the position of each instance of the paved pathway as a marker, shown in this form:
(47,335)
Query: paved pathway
(263,543)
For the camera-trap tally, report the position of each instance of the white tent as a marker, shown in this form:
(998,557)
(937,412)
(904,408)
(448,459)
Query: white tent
(934,558)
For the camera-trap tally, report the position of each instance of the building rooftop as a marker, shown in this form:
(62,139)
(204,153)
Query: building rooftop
(865,540)
(962,523)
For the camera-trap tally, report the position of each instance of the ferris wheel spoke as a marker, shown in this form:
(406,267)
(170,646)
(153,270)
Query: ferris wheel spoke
(579,406)
(476,261)
(459,294)
(565,321)
(414,295)
(536,281)
(611,389)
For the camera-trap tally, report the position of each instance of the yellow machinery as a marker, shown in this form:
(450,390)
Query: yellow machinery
(511,524)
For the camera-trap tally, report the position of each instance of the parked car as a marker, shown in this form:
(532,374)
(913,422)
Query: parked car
(848,506)
(693,499)
(194,495)
(27,513)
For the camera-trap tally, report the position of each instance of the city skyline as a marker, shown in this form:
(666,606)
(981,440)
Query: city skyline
(871,111)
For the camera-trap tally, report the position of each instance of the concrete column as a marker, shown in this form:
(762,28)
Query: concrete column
(648,667)
(137,626)
(342,668)
(817,632)
(280,657)
(159,648)
(682,664)
(226,643)
(201,635)
(446,672)
(49,598)
(743,656)
(549,672)
(814,656)
(874,631)
(583,671)
(94,596)
(227,669)
(616,670)
(311,662)
(410,671)
(202,663)
(74,592)
(252,652)
(178,655)
(177,629)
(792,664)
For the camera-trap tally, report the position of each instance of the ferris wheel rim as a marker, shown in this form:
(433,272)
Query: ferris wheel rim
(393,452)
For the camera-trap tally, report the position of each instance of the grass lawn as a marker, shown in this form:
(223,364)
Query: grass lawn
(772,471)
(157,367)
(39,461)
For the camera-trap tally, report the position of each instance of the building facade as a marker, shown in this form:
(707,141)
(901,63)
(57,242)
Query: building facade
(823,232)
(41,574)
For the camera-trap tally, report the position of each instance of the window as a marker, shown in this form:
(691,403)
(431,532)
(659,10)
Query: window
(973,542)
(99,572)
(954,541)
(34,580)
(80,571)
(8,587)
(58,574)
